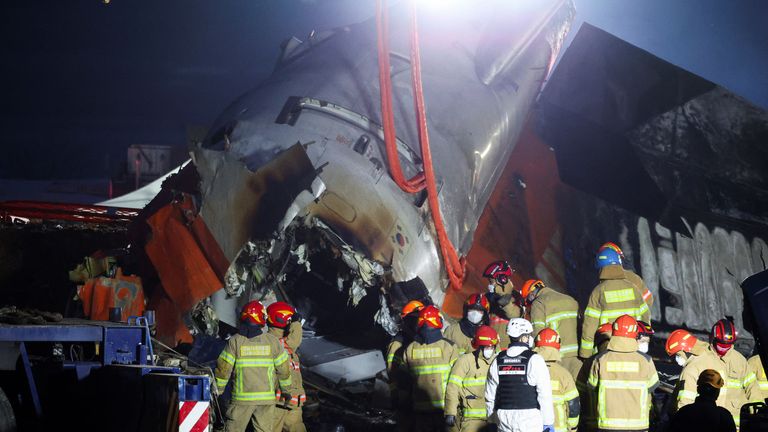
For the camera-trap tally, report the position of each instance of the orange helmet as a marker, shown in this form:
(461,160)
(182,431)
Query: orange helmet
(679,340)
(548,338)
(410,307)
(279,314)
(625,326)
(485,336)
(603,333)
(253,313)
(477,301)
(430,316)
(613,246)
(531,286)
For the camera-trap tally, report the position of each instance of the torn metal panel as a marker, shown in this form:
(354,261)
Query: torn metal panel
(339,363)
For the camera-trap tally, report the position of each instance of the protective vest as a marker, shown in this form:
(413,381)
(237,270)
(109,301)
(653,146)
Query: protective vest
(454,334)
(253,364)
(429,366)
(565,397)
(759,392)
(514,392)
(291,341)
(612,298)
(465,393)
(560,312)
(623,380)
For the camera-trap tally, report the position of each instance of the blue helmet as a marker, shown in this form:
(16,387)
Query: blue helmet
(607,257)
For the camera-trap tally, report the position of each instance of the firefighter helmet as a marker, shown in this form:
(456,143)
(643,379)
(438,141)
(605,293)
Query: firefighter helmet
(613,246)
(724,332)
(679,340)
(485,336)
(625,326)
(607,257)
(603,333)
(548,338)
(477,301)
(253,313)
(645,329)
(279,314)
(430,316)
(518,327)
(531,286)
(499,271)
(411,307)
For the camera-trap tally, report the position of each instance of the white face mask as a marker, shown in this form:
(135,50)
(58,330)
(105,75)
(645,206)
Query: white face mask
(474,316)
(680,359)
(491,287)
(642,347)
(488,352)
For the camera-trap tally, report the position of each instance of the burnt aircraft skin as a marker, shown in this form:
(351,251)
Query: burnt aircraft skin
(483,66)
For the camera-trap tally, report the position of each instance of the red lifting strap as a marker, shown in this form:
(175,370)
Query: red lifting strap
(454,266)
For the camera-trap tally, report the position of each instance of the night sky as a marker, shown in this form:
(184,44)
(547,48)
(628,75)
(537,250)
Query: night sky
(83,80)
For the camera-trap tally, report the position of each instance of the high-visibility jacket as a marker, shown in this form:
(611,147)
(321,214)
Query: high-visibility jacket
(565,396)
(732,367)
(454,334)
(623,379)
(587,395)
(465,393)
(612,298)
(500,325)
(255,363)
(758,392)
(560,312)
(642,288)
(429,366)
(291,341)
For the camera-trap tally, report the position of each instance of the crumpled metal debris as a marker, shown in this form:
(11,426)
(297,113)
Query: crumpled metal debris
(384,317)
(204,319)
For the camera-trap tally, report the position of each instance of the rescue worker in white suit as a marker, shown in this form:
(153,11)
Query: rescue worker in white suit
(518,389)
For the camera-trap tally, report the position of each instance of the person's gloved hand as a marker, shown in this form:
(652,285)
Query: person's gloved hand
(549,428)
(286,397)
(450,420)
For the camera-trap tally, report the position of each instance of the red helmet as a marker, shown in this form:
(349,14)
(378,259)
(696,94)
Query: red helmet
(477,301)
(548,338)
(679,340)
(253,313)
(279,314)
(613,246)
(485,336)
(723,336)
(603,333)
(531,286)
(498,270)
(645,329)
(410,307)
(625,326)
(430,316)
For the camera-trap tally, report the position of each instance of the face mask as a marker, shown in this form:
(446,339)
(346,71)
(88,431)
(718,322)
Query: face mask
(488,352)
(642,347)
(680,359)
(722,349)
(474,316)
(491,287)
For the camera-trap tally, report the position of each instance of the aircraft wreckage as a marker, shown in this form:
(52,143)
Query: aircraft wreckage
(293,194)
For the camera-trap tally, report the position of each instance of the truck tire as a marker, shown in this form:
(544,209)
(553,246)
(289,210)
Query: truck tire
(7,419)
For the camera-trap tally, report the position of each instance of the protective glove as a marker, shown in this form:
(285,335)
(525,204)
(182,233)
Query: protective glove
(297,317)
(286,398)
(549,428)
(450,420)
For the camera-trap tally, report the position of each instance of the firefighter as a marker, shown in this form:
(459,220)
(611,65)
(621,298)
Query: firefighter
(684,346)
(631,276)
(588,419)
(622,379)
(285,324)
(518,389)
(465,394)
(476,309)
(565,397)
(644,334)
(399,378)
(506,302)
(612,298)
(704,414)
(429,359)
(759,392)
(559,312)
(253,356)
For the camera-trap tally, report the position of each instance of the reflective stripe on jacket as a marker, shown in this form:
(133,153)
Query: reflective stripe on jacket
(466,387)
(565,396)
(623,379)
(612,298)
(429,366)
(256,363)
(560,312)
(642,288)
(758,392)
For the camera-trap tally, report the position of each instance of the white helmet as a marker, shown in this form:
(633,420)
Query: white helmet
(518,327)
